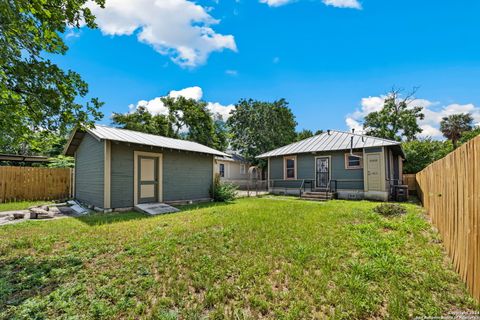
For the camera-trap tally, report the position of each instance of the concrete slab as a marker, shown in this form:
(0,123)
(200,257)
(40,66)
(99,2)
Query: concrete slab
(155,208)
(79,209)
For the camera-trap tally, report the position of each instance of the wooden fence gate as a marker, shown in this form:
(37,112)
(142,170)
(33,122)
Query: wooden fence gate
(35,183)
(450,191)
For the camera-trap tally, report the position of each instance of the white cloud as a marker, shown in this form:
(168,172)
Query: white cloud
(353,4)
(72,33)
(180,29)
(195,93)
(219,111)
(433,112)
(156,106)
(233,73)
(276,3)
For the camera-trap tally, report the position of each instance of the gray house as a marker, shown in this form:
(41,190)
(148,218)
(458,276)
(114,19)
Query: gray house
(118,168)
(353,166)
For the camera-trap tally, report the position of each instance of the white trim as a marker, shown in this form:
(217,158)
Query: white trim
(224,170)
(285,177)
(347,167)
(135,174)
(268,175)
(329,168)
(107,163)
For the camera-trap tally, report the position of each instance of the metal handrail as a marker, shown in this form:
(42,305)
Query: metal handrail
(301,187)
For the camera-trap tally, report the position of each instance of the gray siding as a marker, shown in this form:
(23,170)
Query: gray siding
(306,170)
(89,170)
(186,176)
(121,181)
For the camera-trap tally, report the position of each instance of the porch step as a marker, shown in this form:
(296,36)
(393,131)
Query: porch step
(318,196)
(155,208)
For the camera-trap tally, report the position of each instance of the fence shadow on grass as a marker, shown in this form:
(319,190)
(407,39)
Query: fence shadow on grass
(96,219)
(26,277)
(203,205)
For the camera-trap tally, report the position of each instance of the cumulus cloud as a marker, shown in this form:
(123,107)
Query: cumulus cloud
(433,111)
(156,106)
(180,29)
(352,4)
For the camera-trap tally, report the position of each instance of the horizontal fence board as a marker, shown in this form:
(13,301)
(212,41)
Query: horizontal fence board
(34,183)
(450,191)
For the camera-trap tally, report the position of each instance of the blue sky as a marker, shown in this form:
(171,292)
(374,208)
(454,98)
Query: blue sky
(332,60)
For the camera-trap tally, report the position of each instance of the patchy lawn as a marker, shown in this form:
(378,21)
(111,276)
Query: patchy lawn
(21,205)
(268,257)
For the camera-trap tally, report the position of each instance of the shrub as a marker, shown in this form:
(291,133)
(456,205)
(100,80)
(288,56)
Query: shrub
(223,192)
(390,209)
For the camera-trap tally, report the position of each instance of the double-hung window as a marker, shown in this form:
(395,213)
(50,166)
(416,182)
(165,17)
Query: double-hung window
(222,170)
(290,165)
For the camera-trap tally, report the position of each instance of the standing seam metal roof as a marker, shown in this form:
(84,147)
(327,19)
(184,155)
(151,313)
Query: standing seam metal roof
(335,140)
(129,136)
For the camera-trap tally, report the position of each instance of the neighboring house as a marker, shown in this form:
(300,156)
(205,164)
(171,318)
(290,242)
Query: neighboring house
(232,167)
(354,166)
(235,169)
(117,168)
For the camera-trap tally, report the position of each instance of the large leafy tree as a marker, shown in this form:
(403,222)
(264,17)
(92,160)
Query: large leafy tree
(257,127)
(306,133)
(192,120)
(35,94)
(455,125)
(185,118)
(144,121)
(468,135)
(397,119)
(420,153)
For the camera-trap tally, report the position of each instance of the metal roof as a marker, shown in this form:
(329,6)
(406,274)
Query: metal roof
(330,141)
(22,158)
(232,156)
(123,135)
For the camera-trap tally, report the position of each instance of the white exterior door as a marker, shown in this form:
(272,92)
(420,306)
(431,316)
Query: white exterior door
(148,179)
(374,173)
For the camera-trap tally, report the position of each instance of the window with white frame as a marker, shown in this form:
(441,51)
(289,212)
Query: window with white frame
(243,169)
(221,169)
(353,161)
(290,165)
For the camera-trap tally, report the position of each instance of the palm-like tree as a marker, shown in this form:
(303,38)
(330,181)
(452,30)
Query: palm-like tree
(454,125)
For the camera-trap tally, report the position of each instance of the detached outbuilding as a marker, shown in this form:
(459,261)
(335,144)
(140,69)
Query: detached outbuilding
(117,168)
(352,166)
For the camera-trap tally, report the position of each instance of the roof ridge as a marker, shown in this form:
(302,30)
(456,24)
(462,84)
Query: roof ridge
(150,134)
(364,135)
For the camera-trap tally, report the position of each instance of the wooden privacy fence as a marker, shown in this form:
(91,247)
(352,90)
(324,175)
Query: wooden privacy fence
(33,183)
(411,181)
(450,191)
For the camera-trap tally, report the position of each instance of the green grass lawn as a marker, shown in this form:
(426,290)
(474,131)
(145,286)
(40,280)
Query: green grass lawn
(21,205)
(255,258)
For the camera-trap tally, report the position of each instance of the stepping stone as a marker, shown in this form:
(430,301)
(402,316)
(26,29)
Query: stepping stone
(155,208)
